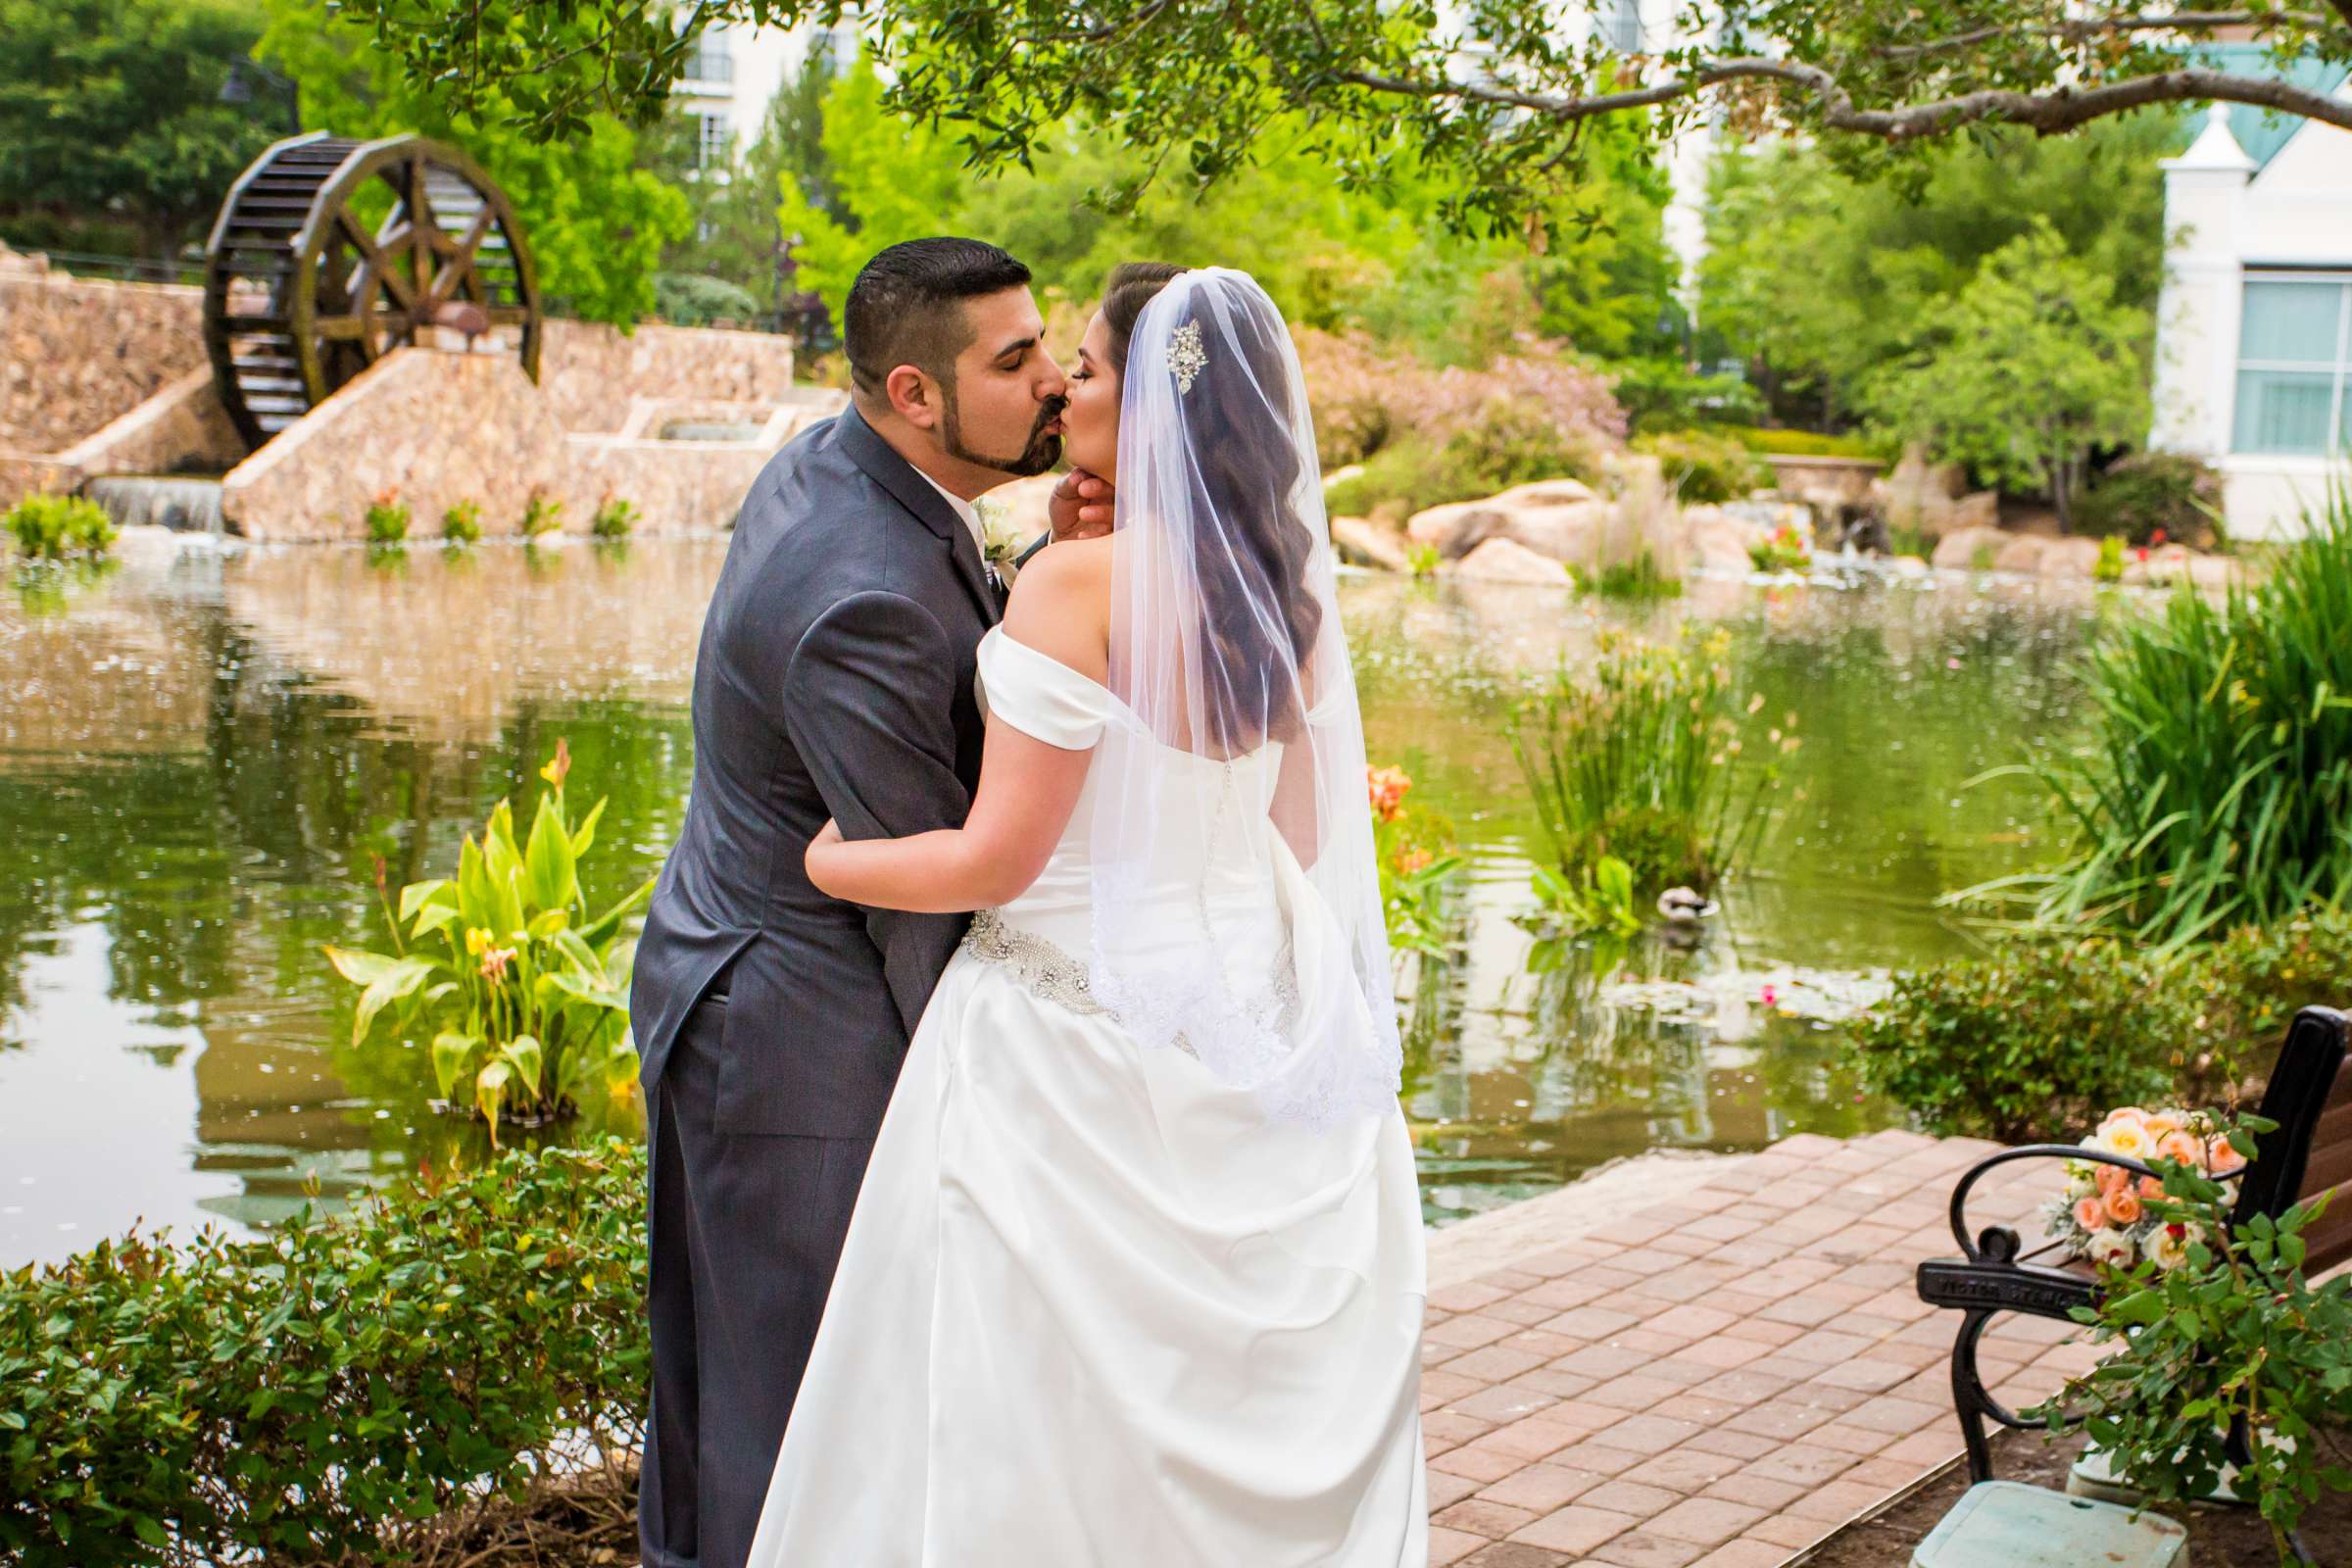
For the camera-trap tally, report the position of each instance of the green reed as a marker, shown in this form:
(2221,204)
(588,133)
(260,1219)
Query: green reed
(2217,787)
(1640,758)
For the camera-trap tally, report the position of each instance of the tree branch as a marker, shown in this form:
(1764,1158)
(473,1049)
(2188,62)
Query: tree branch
(2076,29)
(2060,109)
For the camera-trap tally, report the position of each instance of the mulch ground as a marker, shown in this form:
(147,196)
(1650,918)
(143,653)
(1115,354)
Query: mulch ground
(2219,1538)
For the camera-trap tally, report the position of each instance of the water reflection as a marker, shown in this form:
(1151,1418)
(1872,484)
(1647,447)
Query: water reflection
(202,754)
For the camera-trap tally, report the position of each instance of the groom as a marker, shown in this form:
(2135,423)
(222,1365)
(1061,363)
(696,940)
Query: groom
(834,680)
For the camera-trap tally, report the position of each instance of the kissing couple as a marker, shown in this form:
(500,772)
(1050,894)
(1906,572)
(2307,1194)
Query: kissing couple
(1029,1188)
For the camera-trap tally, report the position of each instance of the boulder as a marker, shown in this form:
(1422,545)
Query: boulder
(1361,542)
(2070,558)
(2021,553)
(1561,532)
(1957,551)
(1716,543)
(1455,528)
(1981,508)
(1909,567)
(1505,561)
(1546,493)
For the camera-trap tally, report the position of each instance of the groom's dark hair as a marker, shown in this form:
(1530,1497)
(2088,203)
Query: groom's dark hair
(906,307)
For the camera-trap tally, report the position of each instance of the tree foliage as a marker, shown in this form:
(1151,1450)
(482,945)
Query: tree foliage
(1495,96)
(114,107)
(595,222)
(2023,371)
(1816,279)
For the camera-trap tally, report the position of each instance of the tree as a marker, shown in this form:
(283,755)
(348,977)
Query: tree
(113,107)
(1489,94)
(1816,279)
(594,221)
(2023,371)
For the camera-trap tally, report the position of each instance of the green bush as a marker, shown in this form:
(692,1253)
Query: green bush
(687,299)
(614,519)
(1508,442)
(2215,789)
(2149,494)
(1780,443)
(1639,578)
(1665,395)
(387,518)
(461,524)
(60,527)
(542,514)
(2040,1039)
(325,1391)
(1704,465)
(1639,759)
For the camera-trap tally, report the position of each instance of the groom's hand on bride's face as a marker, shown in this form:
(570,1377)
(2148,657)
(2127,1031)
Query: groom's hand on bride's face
(1080,507)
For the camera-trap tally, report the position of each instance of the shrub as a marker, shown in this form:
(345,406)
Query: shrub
(1413,851)
(1509,442)
(2219,1336)
(1785,548)
(323,1392)
(2217,786)
(2109,568)
(1704,465)
(1367,400)
(60,527)
(2150,497)
(461,524)
(387,518)
(2037,1039)
(688,299)
(614,519)
(542,514)
(1638,759)
(1778,442)
(1666,395)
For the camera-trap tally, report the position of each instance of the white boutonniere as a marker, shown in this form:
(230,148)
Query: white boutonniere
(998,545)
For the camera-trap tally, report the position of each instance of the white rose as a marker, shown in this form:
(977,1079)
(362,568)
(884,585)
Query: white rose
(2167,1251)
(2112,1246)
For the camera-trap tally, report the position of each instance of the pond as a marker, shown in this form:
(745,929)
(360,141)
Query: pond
(202,752)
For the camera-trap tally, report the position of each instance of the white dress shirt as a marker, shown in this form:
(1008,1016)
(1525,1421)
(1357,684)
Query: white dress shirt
(964,508)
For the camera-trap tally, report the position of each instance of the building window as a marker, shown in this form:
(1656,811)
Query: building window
(1621,27)
(710,145)
(710,65)
(2294,359)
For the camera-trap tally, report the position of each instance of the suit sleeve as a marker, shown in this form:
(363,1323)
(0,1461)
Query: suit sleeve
(870,705)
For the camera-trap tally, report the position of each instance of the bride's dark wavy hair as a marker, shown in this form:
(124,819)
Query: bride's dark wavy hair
(1240,421)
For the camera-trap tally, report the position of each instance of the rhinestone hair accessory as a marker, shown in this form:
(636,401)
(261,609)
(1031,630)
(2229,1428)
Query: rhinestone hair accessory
(1185,358)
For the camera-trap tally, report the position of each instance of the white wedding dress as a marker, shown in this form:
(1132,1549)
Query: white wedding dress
(1094,1309)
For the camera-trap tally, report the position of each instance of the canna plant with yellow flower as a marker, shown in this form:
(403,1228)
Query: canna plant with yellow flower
(523,994)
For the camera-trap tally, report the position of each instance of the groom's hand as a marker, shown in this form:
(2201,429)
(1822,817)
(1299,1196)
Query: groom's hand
(1080,507)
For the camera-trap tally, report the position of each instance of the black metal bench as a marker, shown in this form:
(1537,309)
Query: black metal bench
(2309,1097)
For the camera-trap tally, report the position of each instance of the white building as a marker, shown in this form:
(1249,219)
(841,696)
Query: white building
(2254,326)
(734,74)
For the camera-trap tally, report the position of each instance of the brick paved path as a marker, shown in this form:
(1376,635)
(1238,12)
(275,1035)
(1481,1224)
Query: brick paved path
(1723,1379)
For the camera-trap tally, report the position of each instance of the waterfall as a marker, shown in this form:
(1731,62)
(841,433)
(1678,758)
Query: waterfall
(187,505)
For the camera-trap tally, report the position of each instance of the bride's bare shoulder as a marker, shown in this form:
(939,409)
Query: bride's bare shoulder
(1060,604)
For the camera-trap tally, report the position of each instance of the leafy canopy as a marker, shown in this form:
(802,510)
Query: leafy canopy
(1496,95)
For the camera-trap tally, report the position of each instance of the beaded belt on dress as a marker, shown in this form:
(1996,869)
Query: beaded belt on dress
(1043,967)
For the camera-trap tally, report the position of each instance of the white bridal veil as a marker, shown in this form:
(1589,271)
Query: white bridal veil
(1236,729)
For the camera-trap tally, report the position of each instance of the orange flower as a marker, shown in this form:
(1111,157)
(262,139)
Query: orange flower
(2090,1213)
(1410,861)
(2122,1206)
(1387,787)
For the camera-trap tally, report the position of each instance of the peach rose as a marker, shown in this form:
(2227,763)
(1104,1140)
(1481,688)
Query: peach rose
(2150,1188)
(2122,1206)
(2183,1148)
(2163,1123)
(2112,1178)
(2089,1214)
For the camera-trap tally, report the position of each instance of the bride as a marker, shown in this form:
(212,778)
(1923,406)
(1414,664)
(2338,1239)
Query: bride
(1136,1274)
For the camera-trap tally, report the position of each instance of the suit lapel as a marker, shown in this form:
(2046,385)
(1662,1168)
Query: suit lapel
(913,491)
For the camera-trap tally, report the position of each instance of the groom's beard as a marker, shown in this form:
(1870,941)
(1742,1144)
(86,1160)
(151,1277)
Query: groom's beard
(1040,453)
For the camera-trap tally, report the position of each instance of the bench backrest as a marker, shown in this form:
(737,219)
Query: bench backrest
(2310,1098)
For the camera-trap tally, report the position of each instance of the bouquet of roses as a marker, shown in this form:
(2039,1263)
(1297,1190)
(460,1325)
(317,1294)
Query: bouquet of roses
(2103,1214)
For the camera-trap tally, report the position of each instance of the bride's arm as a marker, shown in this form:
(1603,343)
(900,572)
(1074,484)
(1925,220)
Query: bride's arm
(1028,789)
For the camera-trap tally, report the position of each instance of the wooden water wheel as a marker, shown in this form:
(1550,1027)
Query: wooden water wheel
(303,289)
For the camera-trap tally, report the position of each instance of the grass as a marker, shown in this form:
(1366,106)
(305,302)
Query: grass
(1640,759)
(2217,786)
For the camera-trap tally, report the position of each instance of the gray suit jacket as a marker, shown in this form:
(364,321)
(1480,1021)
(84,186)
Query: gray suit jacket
(834,680)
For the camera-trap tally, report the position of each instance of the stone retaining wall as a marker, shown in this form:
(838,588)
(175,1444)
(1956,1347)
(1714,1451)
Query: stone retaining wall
(76,354)
(592,373)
